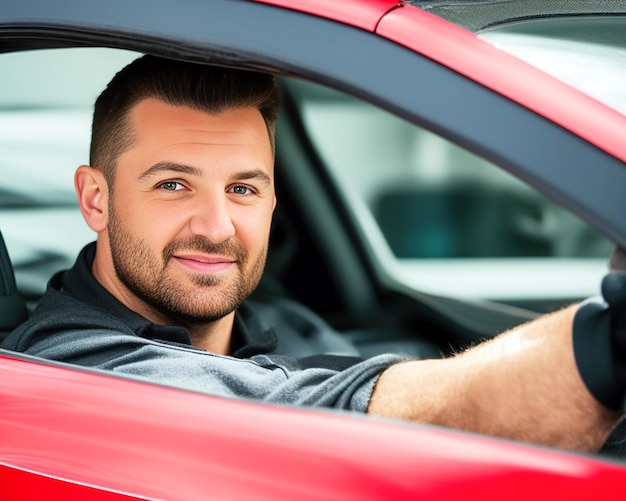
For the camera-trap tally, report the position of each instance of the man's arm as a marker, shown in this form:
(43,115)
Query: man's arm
(523,385)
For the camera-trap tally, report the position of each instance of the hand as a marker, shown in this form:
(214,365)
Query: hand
(599,335)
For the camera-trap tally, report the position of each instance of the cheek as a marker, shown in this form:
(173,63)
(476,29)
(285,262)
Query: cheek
(152,224)
(253,228)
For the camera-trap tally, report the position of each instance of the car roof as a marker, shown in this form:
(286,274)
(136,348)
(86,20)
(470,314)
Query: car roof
(476,15)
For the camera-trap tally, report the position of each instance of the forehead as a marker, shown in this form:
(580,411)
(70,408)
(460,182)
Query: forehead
(155,118)
(226,142)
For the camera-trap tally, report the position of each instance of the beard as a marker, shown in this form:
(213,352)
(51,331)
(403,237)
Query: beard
(191,300)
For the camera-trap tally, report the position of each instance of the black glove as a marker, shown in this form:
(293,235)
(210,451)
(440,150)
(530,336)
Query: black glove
(599,335)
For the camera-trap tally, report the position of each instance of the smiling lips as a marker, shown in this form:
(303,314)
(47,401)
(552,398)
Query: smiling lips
(201,263)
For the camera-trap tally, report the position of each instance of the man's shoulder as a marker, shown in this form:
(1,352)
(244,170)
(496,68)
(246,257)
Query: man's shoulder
(57,313)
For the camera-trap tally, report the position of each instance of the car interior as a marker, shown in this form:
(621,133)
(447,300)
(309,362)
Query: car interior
(12,304)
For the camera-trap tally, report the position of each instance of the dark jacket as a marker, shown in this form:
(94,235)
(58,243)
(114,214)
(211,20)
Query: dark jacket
(79,322)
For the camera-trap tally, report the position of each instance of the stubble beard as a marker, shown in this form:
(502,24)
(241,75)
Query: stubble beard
(203,298)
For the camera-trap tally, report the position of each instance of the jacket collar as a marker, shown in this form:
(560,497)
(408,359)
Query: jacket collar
(248,337)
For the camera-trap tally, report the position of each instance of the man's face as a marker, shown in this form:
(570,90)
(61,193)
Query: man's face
(190,211)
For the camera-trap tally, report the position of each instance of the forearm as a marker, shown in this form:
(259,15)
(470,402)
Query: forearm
(522,385)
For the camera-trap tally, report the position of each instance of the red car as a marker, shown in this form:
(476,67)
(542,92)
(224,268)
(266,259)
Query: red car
(455,137)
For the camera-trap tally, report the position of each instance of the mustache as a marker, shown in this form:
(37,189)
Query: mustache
(200,244)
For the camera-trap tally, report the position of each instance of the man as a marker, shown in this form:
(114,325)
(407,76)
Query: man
(181,193)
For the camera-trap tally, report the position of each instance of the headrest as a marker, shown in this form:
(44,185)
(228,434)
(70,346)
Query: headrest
(12,305)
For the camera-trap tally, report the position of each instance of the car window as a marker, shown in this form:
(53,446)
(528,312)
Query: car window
(455,223)
(46,100)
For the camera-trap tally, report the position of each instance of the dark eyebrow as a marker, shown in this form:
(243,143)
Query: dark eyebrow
(170,167)
(253,174)
(194,171)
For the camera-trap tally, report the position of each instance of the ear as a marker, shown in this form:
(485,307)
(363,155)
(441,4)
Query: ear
(92,191)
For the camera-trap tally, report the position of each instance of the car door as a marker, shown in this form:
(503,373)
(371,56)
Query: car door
(131,438)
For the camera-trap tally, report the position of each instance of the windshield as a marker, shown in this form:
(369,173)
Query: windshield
(587,52)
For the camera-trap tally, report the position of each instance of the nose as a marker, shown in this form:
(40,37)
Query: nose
(212,219)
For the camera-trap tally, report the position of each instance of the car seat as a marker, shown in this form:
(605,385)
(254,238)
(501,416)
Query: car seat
(13,309)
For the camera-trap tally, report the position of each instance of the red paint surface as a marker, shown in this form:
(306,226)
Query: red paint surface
(363,14)
(64,431)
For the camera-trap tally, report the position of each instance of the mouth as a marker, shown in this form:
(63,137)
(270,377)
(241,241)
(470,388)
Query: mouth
(201,263)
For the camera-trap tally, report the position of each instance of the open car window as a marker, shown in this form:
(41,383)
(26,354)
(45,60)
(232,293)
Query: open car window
(446,220)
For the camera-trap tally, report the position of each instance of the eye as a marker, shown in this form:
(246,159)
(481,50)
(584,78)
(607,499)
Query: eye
(241,189)
(171,186)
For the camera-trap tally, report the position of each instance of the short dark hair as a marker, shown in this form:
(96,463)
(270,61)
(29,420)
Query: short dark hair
(204,87)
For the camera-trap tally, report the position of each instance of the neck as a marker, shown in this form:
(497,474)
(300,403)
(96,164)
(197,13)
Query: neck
(213,337)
